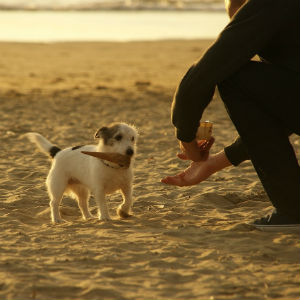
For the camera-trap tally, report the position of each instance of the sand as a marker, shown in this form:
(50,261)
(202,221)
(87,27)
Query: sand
(182,243)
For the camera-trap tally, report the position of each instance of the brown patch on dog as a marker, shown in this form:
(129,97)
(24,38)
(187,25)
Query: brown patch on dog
(107,133)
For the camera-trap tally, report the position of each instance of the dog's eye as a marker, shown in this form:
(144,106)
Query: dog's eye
(132,139)
(118,137)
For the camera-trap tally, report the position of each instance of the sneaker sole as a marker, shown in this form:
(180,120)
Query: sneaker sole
(287,227)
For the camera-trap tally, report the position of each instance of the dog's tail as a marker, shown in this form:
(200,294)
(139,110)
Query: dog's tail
(43,144)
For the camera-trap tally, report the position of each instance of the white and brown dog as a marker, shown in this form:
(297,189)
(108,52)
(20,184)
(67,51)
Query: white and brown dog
(78,174)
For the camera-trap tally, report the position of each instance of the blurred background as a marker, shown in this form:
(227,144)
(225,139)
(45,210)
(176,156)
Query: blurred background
(109,20)
(110,4)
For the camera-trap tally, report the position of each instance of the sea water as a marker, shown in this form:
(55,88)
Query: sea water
(110,25)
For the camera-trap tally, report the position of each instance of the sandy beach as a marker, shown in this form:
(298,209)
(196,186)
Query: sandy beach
(182,243)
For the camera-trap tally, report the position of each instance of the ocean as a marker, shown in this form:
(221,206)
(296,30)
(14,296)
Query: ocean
(112,4)
(109,25)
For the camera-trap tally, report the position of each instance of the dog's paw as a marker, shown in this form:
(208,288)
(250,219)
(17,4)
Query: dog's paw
(123,214)
(88,217)
(58,221)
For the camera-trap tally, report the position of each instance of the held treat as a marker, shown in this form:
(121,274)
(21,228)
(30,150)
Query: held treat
(122,160)
(204,131)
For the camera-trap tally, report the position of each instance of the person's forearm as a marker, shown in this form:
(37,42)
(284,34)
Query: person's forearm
(188,106)
(236,152)
(219,162)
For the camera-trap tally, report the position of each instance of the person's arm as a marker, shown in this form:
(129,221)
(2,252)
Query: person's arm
(236,153)
(248,32)
(197,172)
(192,149)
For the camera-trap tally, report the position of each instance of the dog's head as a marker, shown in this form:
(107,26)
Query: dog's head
(118,137)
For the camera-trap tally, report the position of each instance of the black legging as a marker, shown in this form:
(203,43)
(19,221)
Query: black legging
(263,101)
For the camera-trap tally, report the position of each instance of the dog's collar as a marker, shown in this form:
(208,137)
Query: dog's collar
(115,166)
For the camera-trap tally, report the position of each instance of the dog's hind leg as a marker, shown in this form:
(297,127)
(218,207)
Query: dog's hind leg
(56,187)
(124,209)
(82,195)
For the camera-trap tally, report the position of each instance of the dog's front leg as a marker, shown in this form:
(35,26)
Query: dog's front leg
(102,205)
(125,207)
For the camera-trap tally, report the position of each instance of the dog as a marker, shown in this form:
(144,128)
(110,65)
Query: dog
(78,175)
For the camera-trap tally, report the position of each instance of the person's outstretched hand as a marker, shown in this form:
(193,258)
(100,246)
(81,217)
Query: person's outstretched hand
(199,171)
(194,174)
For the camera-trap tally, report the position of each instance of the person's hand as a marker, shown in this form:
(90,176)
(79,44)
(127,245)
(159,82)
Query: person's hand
(194,174)
(199,171)
(195,150)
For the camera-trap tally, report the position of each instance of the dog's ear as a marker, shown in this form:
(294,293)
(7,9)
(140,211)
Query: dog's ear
(100,133)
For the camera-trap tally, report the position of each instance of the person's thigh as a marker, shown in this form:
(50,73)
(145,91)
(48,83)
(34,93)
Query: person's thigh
(274,89)
(263,103)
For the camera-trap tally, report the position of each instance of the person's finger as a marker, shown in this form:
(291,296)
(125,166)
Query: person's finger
(173,180)
(204,146)
(210,143)
(178,180)
(201,143)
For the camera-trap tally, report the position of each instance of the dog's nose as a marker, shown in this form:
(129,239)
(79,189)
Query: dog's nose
(129,152)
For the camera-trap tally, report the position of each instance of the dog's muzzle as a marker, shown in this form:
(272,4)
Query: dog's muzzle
(129,152)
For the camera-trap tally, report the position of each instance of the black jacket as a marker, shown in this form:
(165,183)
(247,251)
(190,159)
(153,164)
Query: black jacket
(269,28)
